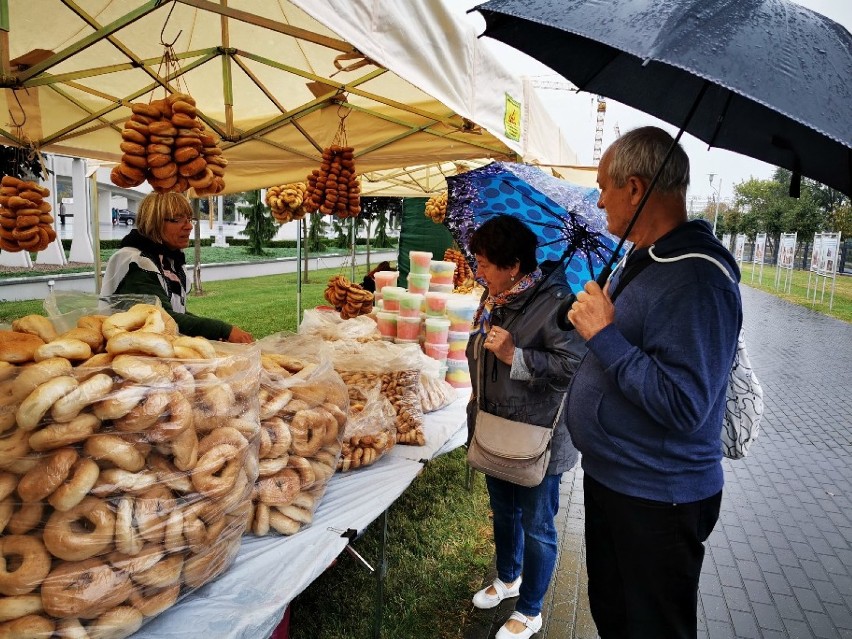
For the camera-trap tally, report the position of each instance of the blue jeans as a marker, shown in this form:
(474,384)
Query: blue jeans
(525,536)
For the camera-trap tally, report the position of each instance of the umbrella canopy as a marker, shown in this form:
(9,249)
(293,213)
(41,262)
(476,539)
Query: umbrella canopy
(774,78)
(564,217)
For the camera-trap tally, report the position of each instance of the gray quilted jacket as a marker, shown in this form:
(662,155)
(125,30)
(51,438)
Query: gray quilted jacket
(551,356)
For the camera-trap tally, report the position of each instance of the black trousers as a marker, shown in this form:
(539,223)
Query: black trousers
(644,559)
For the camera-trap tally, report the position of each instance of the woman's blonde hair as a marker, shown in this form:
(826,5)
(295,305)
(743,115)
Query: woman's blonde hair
(155,208)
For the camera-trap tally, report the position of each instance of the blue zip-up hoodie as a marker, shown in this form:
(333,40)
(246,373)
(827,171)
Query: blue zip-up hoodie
(646,405)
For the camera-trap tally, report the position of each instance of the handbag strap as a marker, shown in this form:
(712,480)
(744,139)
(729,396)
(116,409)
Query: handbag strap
(479,355)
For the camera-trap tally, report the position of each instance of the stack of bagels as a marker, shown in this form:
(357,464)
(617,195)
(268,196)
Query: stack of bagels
(286,201)
(166,144)
(25,220)
(303,411)
(128,457)
(350,299)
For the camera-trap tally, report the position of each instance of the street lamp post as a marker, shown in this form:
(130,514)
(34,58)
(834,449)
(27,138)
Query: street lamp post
(717,191)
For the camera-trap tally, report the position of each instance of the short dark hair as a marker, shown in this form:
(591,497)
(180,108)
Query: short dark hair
(383,266)
(505,240)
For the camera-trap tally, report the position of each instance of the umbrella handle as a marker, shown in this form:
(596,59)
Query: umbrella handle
(562,320)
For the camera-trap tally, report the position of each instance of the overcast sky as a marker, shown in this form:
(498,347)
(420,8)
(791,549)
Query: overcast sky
(576,114)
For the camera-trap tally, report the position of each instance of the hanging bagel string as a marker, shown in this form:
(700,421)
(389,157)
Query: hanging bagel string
(333,189)
(165,142)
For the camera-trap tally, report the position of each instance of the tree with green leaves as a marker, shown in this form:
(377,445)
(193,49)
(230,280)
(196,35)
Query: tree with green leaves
(260,227)
(316,233)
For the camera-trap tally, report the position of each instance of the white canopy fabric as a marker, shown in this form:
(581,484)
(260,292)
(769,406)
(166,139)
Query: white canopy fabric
(271,79)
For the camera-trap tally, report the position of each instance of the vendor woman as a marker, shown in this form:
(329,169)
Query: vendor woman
(151,262)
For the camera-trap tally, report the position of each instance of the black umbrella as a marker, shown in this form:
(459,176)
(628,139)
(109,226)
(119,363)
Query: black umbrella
(765,78)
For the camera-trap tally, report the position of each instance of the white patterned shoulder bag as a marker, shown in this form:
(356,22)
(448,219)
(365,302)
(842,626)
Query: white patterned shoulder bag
(744,405)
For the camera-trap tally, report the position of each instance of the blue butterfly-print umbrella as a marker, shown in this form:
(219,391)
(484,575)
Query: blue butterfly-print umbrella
(564,216)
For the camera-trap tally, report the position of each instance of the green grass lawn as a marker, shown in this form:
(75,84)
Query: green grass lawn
(841,308)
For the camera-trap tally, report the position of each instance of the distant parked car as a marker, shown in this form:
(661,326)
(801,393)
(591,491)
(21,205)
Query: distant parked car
(127,216)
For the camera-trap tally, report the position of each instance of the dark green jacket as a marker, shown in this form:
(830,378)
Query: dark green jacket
(141,282)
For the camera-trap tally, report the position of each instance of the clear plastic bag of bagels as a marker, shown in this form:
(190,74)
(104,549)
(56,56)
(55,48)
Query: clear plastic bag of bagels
(397,367)
(126,484)
(435,392)
(328,325)
(371,430)
(303,411)
(65,308)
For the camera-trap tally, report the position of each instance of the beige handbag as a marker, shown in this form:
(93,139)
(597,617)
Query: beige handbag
(513,451)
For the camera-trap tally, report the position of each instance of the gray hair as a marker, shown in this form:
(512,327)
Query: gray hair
(641,151)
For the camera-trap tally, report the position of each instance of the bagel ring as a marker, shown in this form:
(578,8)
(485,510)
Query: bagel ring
(140,342)
(55,436)
(308,431)
(17,606)
(279,489)
(31,569)
(84,589)
(65,540)
(89,391)
(144,317)
(28,627)
(80,480)
(303,467)
(35,406)
(47,475)
(153,601)
(216,470)
(37,325)
(115,451)
(121,621)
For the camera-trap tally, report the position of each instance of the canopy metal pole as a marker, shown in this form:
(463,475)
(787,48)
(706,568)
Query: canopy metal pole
(96,227)
(352,230)
(298,273)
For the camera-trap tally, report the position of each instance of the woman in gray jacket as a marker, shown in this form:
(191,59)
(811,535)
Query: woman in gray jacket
(526,364)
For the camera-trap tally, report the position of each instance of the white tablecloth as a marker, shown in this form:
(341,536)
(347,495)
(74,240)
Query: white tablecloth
(249,599)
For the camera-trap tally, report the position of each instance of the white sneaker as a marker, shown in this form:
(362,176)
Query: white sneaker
(531,626)
(485,601)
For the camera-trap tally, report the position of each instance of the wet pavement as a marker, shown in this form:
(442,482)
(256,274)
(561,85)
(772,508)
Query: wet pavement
(779,562)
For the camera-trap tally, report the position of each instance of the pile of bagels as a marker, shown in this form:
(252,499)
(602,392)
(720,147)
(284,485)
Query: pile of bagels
(370,430)
(303,413)
(350,299)
(165,143)
(287,201)
(25,220)
(128,460)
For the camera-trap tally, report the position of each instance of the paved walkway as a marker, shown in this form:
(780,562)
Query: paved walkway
(779,563)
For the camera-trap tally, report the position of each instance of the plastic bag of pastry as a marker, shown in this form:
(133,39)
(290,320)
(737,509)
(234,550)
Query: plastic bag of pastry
(435,393)
(370,431)
(303,414)
(65,308)
(328,325)
(126,473)
(397,366)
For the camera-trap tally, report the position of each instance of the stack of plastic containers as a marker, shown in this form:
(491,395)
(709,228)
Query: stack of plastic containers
(419,275)
(460,312)
(435,346)
(442,276)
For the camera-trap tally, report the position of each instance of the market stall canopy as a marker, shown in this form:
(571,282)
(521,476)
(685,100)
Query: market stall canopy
(270,79)
(428,180)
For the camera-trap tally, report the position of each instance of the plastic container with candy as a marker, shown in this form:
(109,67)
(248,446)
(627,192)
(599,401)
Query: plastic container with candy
(435,304)
(409,304)
(384,278)
(442,272)
(390,298)
(437,330)
(460,311)
(458,343)
(408,328)
(458,373)
(420,261)
(386,323)
(419,282)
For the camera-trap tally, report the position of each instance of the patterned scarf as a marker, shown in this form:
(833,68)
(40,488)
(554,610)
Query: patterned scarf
(482,319)
(170,263)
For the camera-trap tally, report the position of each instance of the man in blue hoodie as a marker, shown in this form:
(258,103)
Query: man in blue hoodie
(646,404)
